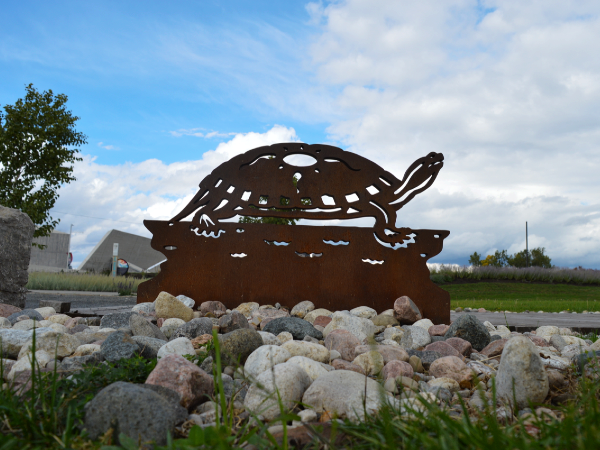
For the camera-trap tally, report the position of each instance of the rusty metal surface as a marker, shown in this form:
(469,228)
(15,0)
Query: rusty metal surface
(335,267)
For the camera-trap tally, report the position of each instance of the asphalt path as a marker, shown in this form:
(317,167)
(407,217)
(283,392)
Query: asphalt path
(80,300)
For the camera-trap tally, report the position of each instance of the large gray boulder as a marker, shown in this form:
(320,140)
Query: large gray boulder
(16,235)
(143,412)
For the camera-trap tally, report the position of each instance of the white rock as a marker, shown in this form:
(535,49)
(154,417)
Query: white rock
(490,327)
(565,331)
(58,328)
(41,357)
(447,383)
(342,392)
(5,323)
(521,373)
(334,354)
(263,358)
(390,342)
(284,337)
(13,340)
(289,380)
(247,308)
(44,323)
(307,416)
(547,331)
(371,362)
(388,312)
(571,350)
(359,327)
(364,311)
(311,316)
(54,343)
(180,346)
(302,309)
(269,338)
(415,337)
(87,349)
(313,351)
(147,308)
(393,334)
(190,303)
(170,325)
(46,311)
(426,324)
(312,368)
(59,318)
(26,325)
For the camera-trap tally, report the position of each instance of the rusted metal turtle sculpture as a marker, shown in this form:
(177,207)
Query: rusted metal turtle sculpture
(261,180)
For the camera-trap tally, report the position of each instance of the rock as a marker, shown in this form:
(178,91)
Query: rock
(383,320)
(289,380)
(447,383)
(79,328)
(344,342)
(416,364)
(393,334)
(587,357)
(238,345)
(364,312)
(546,332)
(179,346)
(311,316)
(560,342)
(442,348)
(302,309)
(148,347)
(312,368)
(13,340)
(5,323)
(234,321)
(540,342)
(213,307)
(451,367)
(284,336)
(169,326)
(167,306)
(469,328)
(494,348)
(119,345)
(388,352)
(521,373)
(86,349)
(340,364)
(16,235)
(46,311)
(116,320)
(144,308)
(7,310)
(361,328)
(438,330)
(247,308)
(76,363)
(341,393)
(41,358)
(489,326)
(26,324)
(194,328)
(180,375)
(298,328)
(405,311)
(371,362)
(190,303)
(415,337)
(556,380)
(59,318)
(263,358)
(54,343)
(427,357)
(426,324)
(141,327)
(571,350)
(394,369)
(31,313)
(463,347)
(269,338)
(142,412)
(321,321)
(315,352)
(264,315)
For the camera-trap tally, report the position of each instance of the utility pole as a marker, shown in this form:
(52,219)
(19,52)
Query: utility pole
(69,246)
(527,244)
(115,258)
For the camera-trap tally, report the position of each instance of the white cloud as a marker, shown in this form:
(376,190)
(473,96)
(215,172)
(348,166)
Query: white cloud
(197,133)
(107,147)
(126,194)
(508,91)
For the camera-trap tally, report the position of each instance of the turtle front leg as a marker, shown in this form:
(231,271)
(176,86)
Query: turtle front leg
(394,235)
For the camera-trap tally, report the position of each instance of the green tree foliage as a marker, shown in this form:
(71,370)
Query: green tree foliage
(537,258)
(37,140)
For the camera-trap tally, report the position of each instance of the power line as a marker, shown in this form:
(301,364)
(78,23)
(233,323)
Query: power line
(99,218)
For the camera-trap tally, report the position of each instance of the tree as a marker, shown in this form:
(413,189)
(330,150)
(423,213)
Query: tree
(537,258)
(37,136)
(475,259)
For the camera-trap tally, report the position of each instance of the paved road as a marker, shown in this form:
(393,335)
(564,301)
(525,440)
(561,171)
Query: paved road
(80,300)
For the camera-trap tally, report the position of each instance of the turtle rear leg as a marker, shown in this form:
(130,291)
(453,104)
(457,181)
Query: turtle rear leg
(393,235)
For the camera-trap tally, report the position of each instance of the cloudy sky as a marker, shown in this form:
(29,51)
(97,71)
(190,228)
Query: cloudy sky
(508,91)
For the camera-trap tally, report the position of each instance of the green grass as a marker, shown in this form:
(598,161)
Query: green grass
(519,297)
(82,282)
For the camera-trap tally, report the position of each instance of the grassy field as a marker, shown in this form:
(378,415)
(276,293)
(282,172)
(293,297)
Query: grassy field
(519,297)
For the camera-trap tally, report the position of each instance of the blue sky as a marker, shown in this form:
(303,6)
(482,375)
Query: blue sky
(509,92)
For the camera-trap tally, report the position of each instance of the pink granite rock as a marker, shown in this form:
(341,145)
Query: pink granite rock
(539,341)
(443,348)
(270,314)
(463,347)
(7,310)
(405,311)
(322,321)
(192,383)
(344,342)
(452,367)
(340,364)
(494,348)
(389,352)
(160,321)
(438,330)
(396,368)
(214,307)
